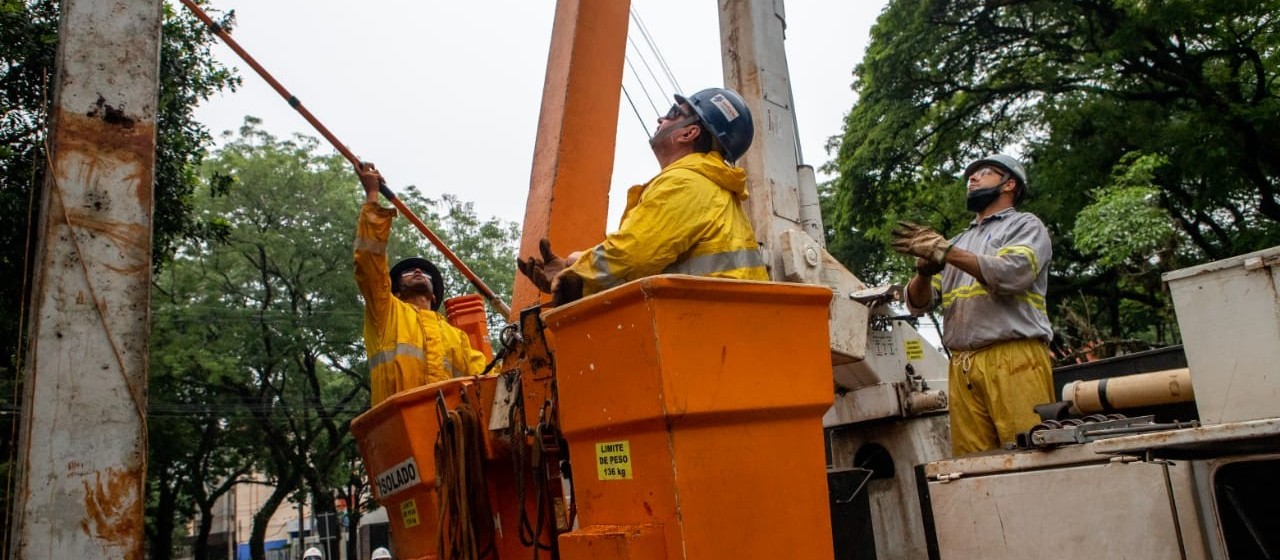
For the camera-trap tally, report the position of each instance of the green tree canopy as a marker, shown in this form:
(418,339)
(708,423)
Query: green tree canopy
(260,321)
(1083,91)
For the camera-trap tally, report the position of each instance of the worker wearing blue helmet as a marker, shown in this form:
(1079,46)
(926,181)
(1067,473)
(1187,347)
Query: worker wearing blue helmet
(686,220)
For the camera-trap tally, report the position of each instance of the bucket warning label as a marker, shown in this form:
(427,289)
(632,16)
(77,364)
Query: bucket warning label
(409,513)
(915,350)
(397,478)
(613,460)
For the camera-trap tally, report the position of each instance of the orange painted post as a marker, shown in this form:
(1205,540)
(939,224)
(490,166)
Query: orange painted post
(693,408)
(573,157)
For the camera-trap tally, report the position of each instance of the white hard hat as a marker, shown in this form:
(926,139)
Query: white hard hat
(312,552)
(380,552)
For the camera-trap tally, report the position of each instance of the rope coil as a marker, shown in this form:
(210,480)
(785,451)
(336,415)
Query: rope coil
(466,529)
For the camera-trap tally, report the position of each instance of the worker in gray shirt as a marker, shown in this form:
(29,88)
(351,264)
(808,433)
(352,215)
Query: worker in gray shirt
(991,281)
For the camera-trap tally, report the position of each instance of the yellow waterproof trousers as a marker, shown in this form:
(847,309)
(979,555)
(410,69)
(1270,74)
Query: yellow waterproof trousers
(993,390)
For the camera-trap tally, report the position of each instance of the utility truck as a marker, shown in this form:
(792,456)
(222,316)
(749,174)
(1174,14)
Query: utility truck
(681,417)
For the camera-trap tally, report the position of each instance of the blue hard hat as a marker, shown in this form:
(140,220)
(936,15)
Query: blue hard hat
(726,116)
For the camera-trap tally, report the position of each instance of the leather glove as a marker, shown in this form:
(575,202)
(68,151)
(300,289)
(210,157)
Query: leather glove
(927,269)
(566,288)
(920,241)
(370,180)
(542,271)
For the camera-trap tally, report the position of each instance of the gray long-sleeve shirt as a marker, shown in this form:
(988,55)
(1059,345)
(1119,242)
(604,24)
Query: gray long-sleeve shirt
(1013,252)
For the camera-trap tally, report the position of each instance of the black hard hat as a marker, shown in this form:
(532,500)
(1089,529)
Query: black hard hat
(726,116)
(437,281)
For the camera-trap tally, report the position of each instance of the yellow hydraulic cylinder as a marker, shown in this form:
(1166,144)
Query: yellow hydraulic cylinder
(1131,391)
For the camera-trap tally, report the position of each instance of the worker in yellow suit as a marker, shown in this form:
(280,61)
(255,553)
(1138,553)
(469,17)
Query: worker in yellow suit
(686,220)
(409,344)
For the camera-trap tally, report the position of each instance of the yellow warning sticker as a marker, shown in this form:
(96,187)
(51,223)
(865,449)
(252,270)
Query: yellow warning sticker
(409,513)
(613,460)
(915,350)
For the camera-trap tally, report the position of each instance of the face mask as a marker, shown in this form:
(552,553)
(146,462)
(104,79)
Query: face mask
(980,199)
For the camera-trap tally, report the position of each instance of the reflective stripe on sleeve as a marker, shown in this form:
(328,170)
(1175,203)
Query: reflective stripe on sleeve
(1024,251)
(452,371)
(401,349)
(599,273)
(706,265)
(371,246)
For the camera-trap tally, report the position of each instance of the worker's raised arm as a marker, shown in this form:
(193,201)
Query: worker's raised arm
(372,232)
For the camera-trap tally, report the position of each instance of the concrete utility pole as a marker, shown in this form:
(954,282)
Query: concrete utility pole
(784,194)
(82,454)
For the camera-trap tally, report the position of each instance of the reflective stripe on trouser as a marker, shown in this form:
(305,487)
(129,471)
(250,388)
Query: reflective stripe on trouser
(706,265)
(993,391)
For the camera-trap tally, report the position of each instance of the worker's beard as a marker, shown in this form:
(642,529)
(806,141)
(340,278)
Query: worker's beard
(423,288)
(664,135)
(979,199)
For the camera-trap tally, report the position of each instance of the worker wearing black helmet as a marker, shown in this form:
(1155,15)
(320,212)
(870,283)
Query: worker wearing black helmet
(686,220)
(991,281)
(409,344)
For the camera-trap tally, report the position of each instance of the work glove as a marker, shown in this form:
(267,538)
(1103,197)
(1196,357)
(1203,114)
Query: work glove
(566,288)
(920,241)
(542,271)
(927,269)
(370,179)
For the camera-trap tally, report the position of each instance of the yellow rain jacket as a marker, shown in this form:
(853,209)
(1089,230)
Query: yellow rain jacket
(408,347)
(686,220)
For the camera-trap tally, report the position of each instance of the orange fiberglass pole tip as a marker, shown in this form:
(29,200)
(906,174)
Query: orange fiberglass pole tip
(386,191)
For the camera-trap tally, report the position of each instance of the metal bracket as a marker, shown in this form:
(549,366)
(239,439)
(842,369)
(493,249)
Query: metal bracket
(503,399)
(535,350)
(1051,433)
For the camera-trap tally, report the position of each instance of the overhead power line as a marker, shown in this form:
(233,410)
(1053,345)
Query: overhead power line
(649,80)
(653,46)
(645,62)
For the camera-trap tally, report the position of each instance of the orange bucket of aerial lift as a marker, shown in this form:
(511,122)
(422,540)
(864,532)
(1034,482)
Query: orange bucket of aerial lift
(693,412)
(467,313)
(397,440)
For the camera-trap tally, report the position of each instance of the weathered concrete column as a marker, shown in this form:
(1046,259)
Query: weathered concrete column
(82,455)
(784,194)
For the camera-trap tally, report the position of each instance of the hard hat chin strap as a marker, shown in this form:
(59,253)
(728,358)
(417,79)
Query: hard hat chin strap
(664,133)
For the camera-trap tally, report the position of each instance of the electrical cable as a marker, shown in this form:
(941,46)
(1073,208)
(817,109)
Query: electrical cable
(645,62)
(643,125)
(12,452)
(653,46)
(643,89)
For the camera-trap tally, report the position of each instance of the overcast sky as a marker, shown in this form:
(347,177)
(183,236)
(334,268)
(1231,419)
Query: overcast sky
(445,95)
